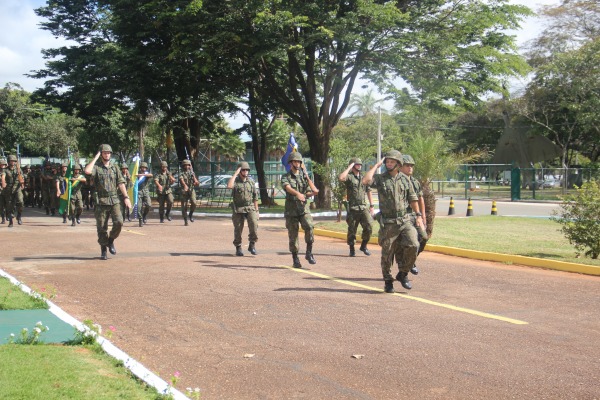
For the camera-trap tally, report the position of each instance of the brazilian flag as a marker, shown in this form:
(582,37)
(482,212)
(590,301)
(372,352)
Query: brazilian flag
(65,190)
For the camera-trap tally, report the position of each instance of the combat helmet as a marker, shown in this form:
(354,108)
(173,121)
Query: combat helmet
(77,167)
(186,162)
(164,164)
(12,158)
(124,166)
(106,147)
(355,160)
(144,164)
(406,159)
(3,161)
(295,156)
(243,165)
(64,165)
(394,155)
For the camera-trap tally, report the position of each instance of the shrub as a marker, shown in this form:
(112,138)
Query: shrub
(579,216)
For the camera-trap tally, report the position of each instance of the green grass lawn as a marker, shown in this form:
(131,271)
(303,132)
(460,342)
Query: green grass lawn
(531,237)
(46,372)
(13,298)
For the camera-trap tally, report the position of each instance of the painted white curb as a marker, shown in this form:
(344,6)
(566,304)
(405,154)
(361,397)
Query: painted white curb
(135,367)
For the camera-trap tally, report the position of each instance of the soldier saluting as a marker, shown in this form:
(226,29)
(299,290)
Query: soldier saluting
(108,181)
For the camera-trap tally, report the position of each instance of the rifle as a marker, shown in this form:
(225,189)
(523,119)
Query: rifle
(3,156)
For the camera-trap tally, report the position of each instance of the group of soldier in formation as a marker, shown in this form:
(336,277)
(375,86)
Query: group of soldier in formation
(401,216)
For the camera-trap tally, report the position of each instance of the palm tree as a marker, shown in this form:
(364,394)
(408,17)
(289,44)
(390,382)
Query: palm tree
(365,104)
(434,158)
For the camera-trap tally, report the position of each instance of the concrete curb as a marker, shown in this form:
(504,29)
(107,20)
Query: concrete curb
(488,256)
(132,365)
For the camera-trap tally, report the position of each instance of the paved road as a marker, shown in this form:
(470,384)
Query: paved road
(181,300)
(506,208)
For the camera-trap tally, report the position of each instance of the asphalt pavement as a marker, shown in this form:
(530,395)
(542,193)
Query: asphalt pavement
(252,327)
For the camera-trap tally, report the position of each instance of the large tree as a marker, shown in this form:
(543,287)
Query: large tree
(309,54)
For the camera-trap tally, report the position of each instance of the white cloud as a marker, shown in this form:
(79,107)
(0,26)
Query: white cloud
(21,42)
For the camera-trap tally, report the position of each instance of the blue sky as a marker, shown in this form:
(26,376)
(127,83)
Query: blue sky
(21,40)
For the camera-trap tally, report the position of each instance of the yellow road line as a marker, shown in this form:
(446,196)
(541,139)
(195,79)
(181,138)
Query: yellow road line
(406,296)
(134,232)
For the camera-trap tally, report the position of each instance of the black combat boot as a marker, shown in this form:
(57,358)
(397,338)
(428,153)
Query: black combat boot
(47,211)
(168,215)
(191,216)
(10,221)
(185,223)
(103,255)
(296,260)
(309,255)
(144,220)
(64,218)
(363,248)
(77,218)
(52,212)
(238,251)
(161,219)
(414,270)
(73,221)
(19,220)
(252,248)
(352,251)
(141,222)
(111,246)
(403,279)
(389,287)
(3,219)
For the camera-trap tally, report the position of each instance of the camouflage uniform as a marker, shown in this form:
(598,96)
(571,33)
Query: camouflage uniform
(128,185)
(245,196)
(27,190)
(358,210)
(144,200)
(61,179)
(189,196)
(12,194)
(76,206)
(36,184)
(47,179)
(106,181)
(297,213)
(3,164)
(397,235)
(166,196)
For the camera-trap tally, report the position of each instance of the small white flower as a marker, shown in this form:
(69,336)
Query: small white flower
(189,389)
(47,328)
(39,323)
(12,335)
(37,330)
(197,390)
(25,330)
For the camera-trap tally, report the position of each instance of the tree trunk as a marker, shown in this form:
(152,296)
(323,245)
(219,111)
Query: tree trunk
(429,199)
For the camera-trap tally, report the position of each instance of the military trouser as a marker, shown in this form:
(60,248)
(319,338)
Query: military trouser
(188,197)
(13,202)
(143,206)
(3,203)
(124,209)
(76,206)
(353,219)
(238,226)
(102,214)
(37,196)
(54,200)
(26,197)
(399,240)
(421,234)
(46,197)
(162,199)
(292,224)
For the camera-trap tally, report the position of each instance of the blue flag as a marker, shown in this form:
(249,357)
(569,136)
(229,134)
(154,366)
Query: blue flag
(291,146)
